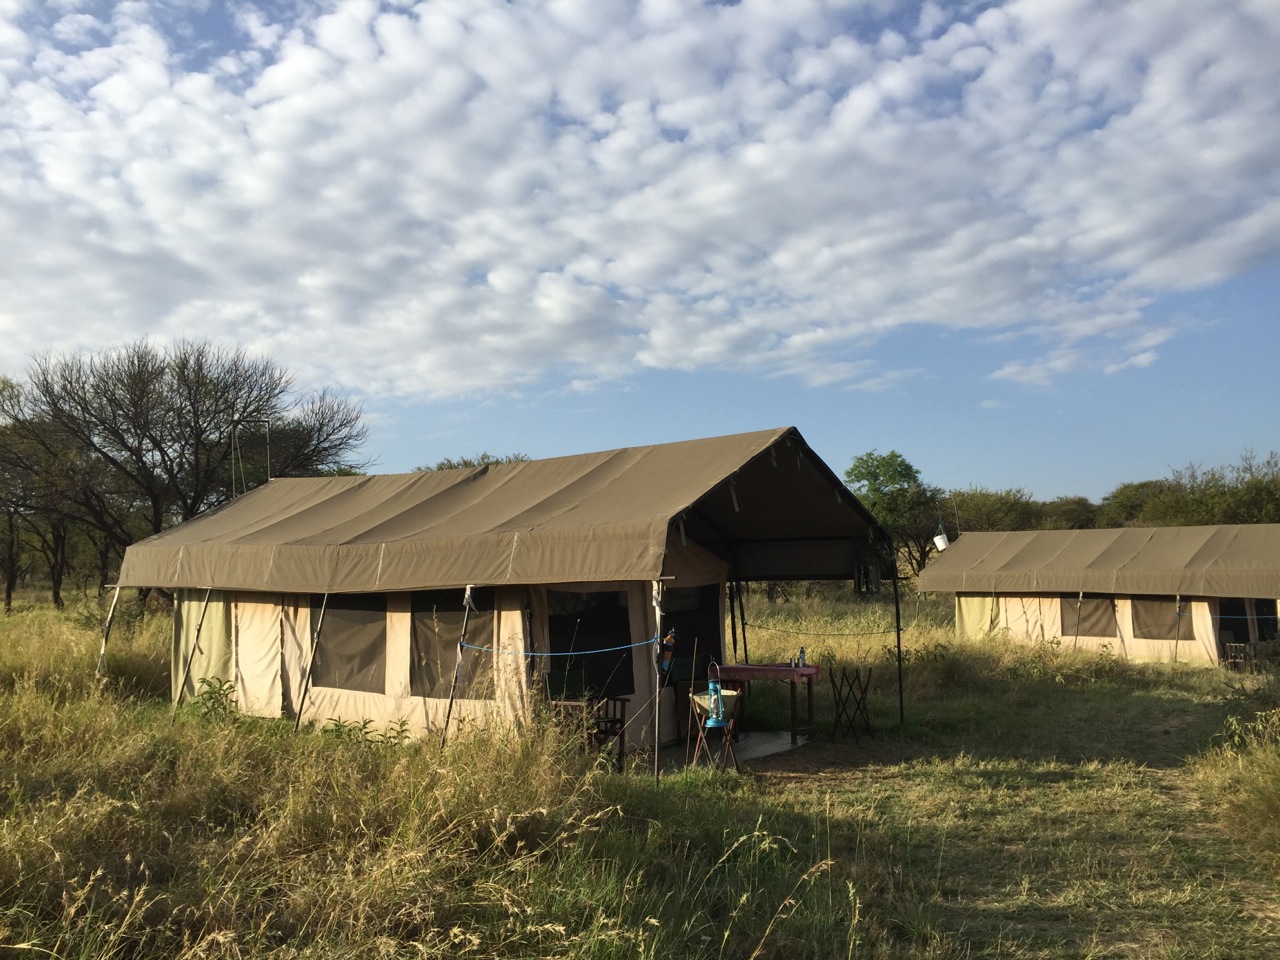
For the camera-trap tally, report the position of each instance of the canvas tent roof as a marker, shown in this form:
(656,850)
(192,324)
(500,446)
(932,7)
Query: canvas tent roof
(762,501)
(1208,561)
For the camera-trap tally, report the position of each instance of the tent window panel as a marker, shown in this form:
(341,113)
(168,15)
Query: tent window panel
(1233,620)
(1092,616)
(1265,611)
(433,644)
(1159,618)
(351,651)
(580,623)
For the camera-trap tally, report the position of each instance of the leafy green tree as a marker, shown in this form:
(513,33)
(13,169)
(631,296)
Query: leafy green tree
(1068,513)
(482,460)
(907,507)
(1247,492)
(978,508)
(1124,506)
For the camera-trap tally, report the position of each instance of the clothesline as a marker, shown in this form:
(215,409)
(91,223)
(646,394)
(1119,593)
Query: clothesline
(817,633)
(569,653)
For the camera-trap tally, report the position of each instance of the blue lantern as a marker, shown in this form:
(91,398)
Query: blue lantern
(715,706)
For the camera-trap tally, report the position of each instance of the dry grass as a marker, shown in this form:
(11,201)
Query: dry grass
(1036,803)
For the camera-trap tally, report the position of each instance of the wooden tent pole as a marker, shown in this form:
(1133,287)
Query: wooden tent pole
(195,645)
(101,670)
(742,616)
(311,662)
(457,664)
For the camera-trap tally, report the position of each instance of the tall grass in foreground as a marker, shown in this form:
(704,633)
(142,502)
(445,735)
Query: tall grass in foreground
(1242,773)
(1031,806)
(124,833)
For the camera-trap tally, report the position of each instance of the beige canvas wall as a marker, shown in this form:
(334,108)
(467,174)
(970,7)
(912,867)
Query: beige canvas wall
(976,616)
(1197,645)
(1034,618)
(1038,619)
(256,619)
(502,646)
(202,641)
(262,642)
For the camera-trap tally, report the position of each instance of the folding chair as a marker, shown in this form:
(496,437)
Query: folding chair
(849,693)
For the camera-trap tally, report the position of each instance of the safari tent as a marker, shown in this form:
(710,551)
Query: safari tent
(1204,593)
(344,597)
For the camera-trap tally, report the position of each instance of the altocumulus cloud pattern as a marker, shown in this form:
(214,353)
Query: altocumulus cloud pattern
(426,199)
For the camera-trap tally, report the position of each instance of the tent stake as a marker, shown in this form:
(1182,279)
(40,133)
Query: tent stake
(101,670)
(195,645)
(311,662)
(467,606)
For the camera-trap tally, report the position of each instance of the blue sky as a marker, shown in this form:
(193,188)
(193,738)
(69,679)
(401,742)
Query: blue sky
(1030,244)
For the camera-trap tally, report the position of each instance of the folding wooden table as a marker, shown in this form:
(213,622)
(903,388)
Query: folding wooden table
(746,672)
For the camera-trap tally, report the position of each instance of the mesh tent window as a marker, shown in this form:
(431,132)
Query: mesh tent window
(433,645)
(351,651)
(1160,618)
(1093,615)
(1265,611)
(579,624)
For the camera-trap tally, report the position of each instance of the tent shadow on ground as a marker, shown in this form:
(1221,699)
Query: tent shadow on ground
(1150,728)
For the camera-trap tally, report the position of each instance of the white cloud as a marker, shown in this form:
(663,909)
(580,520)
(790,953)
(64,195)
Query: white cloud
(1041,371)
(469,196)
(1138,361)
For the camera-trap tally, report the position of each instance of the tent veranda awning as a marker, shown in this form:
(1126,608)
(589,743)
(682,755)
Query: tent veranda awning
(764,502)
(1241,560)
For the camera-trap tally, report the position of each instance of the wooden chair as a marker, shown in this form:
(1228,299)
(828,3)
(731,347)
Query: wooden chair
(601,721)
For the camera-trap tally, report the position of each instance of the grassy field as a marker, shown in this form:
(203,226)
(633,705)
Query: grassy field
(1035,803)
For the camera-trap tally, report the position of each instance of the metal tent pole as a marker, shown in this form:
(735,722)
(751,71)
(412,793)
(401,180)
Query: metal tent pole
(657,674)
